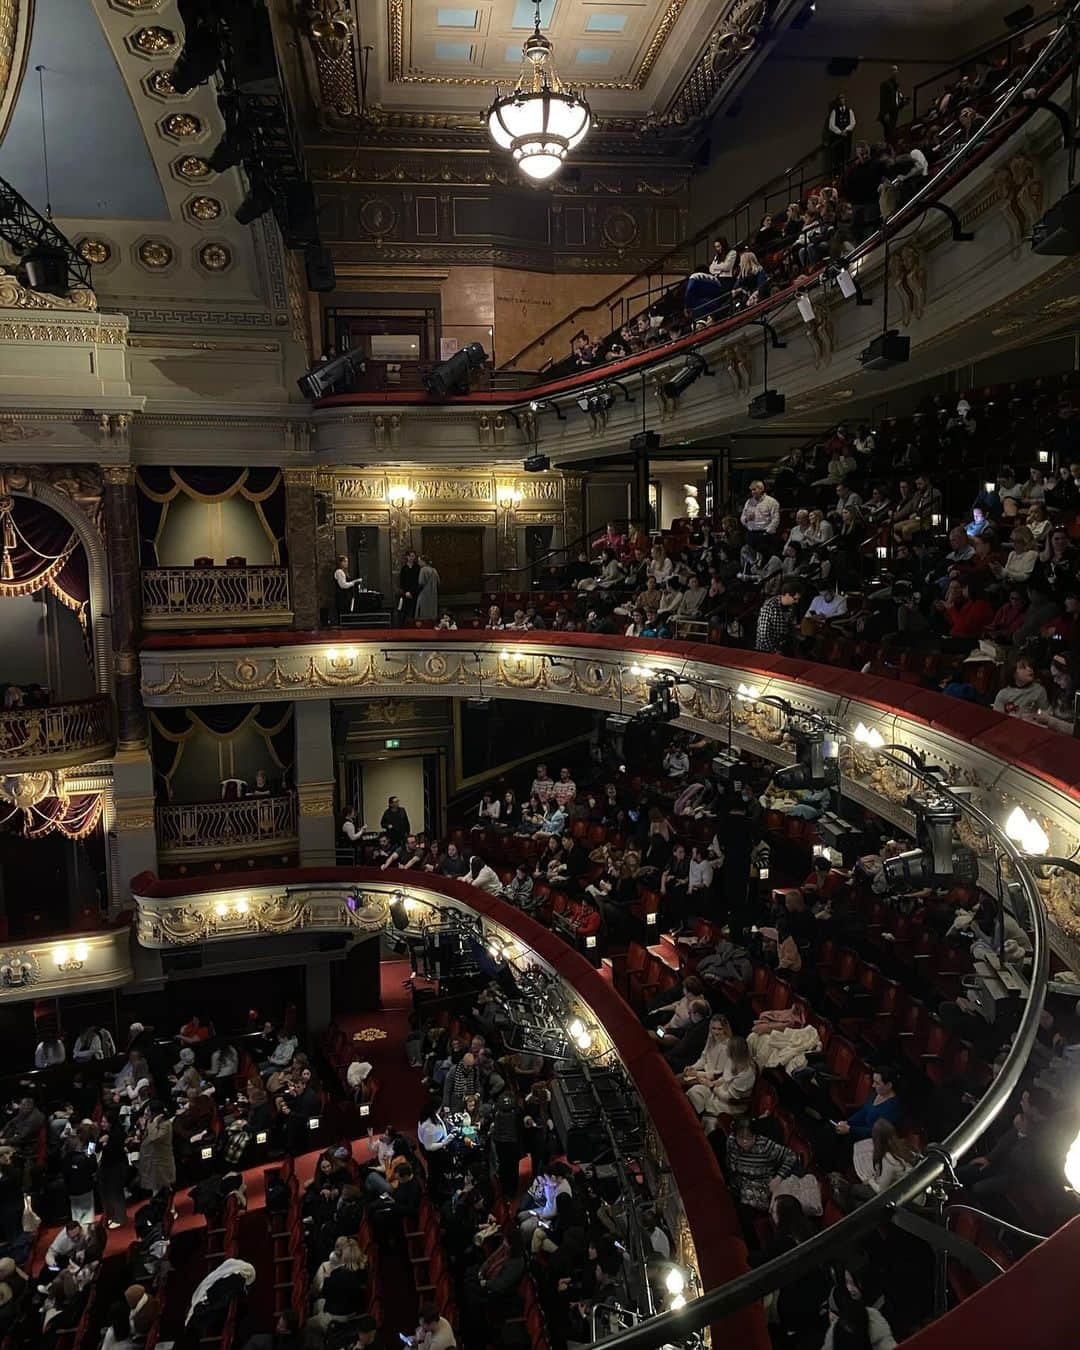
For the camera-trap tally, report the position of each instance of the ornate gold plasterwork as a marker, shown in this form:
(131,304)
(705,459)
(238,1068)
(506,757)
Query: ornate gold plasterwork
(16,22)
(14,295)
(154,40)
(193,168)
(181,126)
(907,276)
(204,209)
(403,73)
(159,83)
(94,251)
(203,919)
(370,1034)
(155,254)
(215,257)
(315,799)
(25,790)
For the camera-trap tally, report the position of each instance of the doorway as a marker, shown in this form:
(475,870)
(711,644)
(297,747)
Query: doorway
(458,555)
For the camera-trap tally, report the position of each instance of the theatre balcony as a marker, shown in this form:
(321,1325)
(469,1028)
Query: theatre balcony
(206,596)
(44,968)
(56,736)
(212,544)
(244,827)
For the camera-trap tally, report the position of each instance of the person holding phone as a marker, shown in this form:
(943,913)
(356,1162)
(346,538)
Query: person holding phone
(434,1331)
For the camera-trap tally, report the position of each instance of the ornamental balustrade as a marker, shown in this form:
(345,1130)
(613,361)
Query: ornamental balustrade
(208,597)
(250,825)
(59,735)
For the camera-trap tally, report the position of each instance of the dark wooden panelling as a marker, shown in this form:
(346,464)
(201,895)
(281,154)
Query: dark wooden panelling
(427,217)
(573,226)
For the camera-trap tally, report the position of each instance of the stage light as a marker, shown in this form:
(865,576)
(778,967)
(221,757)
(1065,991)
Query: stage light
(814,766)
(576,1028)
(258,201)
(452,375)
(584,1041)
(324,378)
(399,914)
(694,368)
(675,1281)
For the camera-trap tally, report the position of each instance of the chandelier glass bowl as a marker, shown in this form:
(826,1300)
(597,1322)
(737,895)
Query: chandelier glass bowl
(540,120)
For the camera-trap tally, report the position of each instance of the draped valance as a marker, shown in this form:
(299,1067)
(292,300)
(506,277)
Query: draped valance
(41,549)
(172,728)
(74,816)
(158,487)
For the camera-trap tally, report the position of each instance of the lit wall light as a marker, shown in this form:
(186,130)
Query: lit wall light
(402,496)
(71,958)
(584,1041)
(1025,831)
(748,693)
(577,1027)
(1044,456)
(869,736)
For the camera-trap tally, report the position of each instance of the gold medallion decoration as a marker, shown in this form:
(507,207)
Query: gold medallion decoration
(204,208)
(95,251)
(193,167)
(136,6)
(160,83)
(154,40)
(182,126)
(155,254)
(369,1034)
(215,257)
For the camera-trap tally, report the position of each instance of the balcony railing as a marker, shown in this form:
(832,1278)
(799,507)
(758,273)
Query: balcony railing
(215,597)
(251,825)
(56,737)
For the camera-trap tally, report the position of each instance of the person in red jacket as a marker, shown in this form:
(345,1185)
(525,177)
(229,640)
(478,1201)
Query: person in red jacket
(969,619)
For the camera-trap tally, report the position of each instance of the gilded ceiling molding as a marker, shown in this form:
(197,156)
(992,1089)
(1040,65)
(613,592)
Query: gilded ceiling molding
(14,295)
(400,73)
(16,23)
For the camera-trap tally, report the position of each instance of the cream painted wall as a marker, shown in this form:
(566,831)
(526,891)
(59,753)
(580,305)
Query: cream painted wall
(217,530)
(394,776)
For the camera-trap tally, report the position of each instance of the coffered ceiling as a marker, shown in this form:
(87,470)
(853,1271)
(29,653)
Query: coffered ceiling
(387,67)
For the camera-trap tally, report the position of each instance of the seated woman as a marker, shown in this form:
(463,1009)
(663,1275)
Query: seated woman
(340,1285)
(882,1104)
(753,1159)
(879,1161)
(532,817)
(730,1092)
(709,1067)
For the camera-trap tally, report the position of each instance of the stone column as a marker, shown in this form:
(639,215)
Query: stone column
(122,546)
(315,782)
(300,525)
(132,838)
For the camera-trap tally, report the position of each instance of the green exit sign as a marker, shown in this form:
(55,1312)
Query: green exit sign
(394,743)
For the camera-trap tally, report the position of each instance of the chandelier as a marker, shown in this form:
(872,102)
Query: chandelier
(540,120)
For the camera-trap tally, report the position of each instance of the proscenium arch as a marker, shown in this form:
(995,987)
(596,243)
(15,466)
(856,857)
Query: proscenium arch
(97,568)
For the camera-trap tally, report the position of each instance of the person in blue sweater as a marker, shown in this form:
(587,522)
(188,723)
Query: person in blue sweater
(883,1103)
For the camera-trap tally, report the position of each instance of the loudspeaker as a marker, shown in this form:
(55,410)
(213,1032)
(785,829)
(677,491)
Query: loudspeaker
(301,224)
(319,266)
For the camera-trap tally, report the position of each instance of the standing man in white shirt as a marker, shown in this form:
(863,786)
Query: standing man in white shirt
(343,586)
(760,518)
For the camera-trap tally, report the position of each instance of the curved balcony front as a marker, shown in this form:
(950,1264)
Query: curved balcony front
(215,597)
(57,736)
(192,831)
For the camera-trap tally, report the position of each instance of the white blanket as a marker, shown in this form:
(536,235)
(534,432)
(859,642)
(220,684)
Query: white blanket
(785,1048)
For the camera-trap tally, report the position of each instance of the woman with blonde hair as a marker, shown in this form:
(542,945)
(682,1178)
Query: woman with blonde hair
(730,1091)
(709,1067)
(341,1285)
